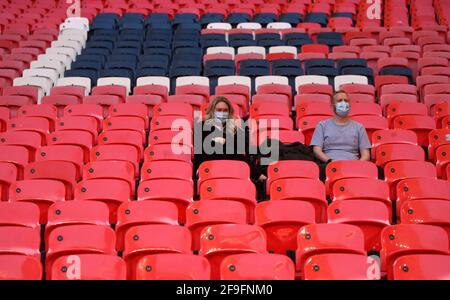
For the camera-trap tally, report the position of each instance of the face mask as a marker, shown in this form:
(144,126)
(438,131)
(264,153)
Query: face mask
(221,116)
(342,109)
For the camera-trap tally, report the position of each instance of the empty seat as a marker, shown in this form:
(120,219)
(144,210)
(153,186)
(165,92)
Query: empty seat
(173,266)
(254,266)
(398,170)
(219,241)
(399,240)
(162,189)
(135,213)
(398,152)
(240,190)
(20,267)
(41,192)
(201,214)
(153,239)
(89,267)
(327,238)
(370,216)
(302,189)
(422,267)
(341,266)
(281,221)
(78,239)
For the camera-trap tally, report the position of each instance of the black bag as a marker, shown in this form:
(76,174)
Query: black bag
(294,151)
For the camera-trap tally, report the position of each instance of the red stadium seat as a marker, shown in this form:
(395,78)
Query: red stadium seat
(17,155)
(153,239)
(219,169)
(431,212)
(41,192)
(392,136)
(18,240)
(400,240)
(162,189)
(8,175)
(281,221)
(125,123)
(20,214)
(89,267)
(437,138)
(72,154)
(398,152)
(129,110)
(166,170)
(341,266)
(62,171)
(81,139)
(20,267)
(302,189)
(33,124)
(290,169)
(220,241)
(135,213)
(45,111)
(123,137)
(371,123)
(87,110)
(67,213)
(31,140)
(370,216)
(399,170)
(338,170)
(173,266)
(397,109)
(113,192)
(327,238)
(115,152)
(121,170)
(85,124)
(442,161)
(255,266)
(78,239)
(420,124)
(422,267)
(201,214)
(412,189)
(240,190)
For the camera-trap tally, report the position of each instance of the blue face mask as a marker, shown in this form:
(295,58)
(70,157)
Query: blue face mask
(342,109)
(221,116)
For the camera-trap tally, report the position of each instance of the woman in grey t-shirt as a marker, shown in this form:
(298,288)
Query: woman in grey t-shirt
(340,138)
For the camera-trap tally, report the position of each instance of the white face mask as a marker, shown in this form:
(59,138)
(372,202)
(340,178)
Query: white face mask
(342,109)
(221,116)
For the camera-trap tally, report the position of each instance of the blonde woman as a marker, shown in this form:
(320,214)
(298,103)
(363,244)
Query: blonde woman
(220,136)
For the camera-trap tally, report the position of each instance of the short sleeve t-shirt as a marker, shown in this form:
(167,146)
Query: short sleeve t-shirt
(341,142)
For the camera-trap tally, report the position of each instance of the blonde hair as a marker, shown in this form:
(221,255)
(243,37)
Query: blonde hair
(231,121)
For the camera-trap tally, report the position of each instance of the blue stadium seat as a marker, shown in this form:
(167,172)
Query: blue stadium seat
(241,39)
(269,39)
(398,71)
(213,40)
(330,38)
(297,39)
(320,18)
(236,18)
(265,18)
(91,74)
(291,18)
(350,62)
(211,18)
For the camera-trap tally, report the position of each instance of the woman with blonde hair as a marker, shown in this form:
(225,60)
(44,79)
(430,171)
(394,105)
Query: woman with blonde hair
(222,137)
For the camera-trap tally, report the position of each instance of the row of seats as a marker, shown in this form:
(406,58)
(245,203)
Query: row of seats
(74,250)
